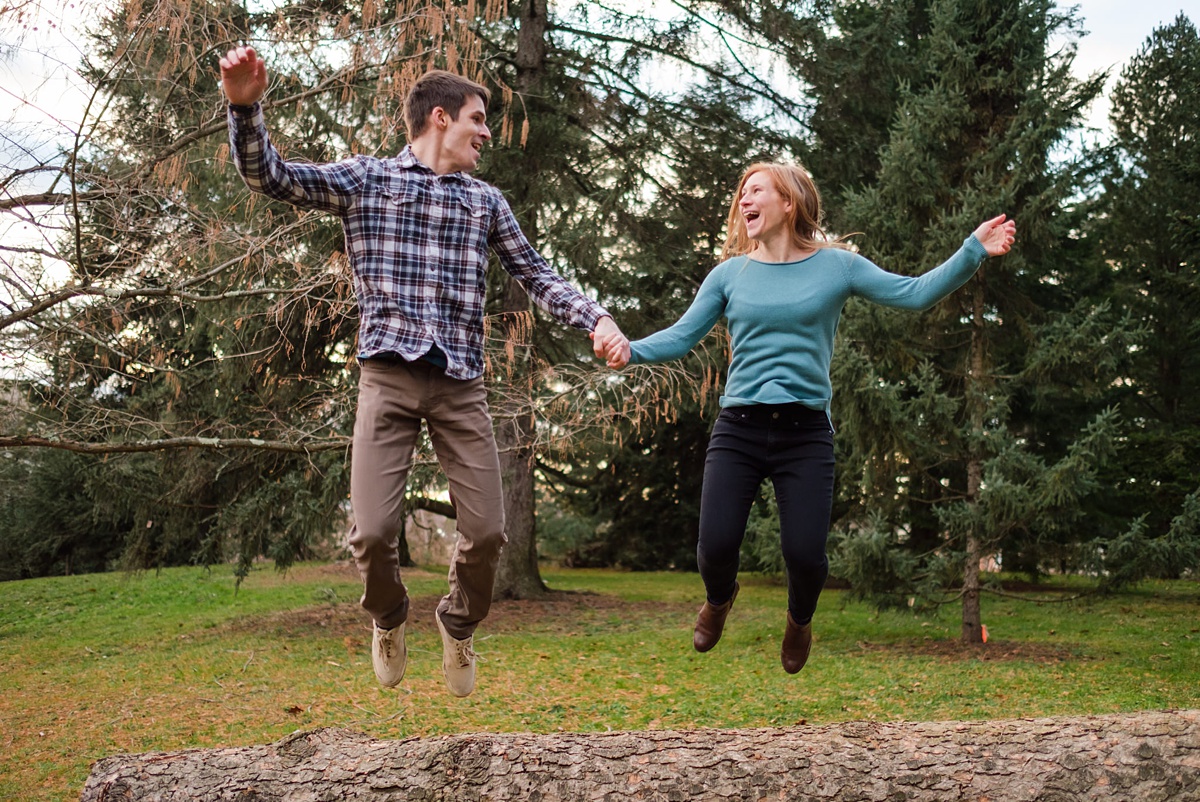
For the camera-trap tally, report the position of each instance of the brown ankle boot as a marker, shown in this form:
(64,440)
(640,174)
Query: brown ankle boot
(797,640)
(710,623)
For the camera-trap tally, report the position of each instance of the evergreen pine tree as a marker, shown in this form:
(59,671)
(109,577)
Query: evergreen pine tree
(943,452)
(1148,229)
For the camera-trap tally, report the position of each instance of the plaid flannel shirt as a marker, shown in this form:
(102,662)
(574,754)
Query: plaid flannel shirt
(418,245)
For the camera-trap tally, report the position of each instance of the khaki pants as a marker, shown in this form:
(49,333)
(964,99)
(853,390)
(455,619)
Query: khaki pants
(393,398)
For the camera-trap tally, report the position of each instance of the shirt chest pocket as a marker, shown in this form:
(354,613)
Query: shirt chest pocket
(471,211)
(385,203)
(395,209)
(402,208)
(402,196)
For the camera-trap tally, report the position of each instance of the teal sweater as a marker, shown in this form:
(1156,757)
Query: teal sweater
(782,318)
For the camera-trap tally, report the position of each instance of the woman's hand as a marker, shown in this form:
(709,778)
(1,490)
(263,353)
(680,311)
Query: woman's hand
(997,235)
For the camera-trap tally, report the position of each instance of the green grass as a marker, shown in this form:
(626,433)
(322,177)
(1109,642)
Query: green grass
(101,664)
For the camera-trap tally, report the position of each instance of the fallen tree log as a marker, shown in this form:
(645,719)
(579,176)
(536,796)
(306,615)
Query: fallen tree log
(1147,757)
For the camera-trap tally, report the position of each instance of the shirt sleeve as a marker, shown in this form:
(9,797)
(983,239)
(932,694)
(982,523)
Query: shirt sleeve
(675,342)
(324,187)
(548,290)
(919,293)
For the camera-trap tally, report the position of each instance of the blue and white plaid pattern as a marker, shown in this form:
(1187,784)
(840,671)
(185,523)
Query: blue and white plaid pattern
(418,245)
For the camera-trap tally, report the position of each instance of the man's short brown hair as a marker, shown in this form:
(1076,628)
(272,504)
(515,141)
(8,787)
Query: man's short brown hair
(438,88)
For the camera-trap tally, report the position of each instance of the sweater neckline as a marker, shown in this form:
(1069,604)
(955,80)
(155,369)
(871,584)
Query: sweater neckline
(784,264)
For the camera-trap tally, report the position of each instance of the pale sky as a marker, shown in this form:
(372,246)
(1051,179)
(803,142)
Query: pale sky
(1116,31)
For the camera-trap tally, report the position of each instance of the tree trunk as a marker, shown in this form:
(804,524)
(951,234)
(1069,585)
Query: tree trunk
(406,560)
(517,576)
(976,394)
(1147,757)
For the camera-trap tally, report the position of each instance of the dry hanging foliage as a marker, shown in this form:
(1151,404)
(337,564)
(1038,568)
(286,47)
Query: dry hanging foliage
(125,237)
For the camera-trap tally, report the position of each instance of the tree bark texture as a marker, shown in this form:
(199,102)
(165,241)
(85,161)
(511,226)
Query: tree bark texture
(1148,757)
(517,575)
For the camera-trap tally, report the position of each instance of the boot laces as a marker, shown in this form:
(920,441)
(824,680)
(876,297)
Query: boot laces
(387,643)
(464,655)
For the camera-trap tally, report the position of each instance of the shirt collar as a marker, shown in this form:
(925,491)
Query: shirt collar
(409,161)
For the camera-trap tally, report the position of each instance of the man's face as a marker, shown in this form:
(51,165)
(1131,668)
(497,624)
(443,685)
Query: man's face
(465,136)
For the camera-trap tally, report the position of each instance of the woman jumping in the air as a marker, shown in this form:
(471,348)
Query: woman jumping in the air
(781,286)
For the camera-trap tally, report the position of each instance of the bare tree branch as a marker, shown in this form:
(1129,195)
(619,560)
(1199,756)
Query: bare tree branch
(433,505)
(783,104)
(167,444)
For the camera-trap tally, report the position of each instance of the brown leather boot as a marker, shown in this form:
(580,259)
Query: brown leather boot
(710,623)
(797,641)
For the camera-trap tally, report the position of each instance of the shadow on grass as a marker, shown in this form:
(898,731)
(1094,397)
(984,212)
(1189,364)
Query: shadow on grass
(569,613)
(954,650)
(558,612)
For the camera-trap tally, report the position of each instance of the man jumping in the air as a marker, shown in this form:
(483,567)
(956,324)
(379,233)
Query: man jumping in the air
(418,231)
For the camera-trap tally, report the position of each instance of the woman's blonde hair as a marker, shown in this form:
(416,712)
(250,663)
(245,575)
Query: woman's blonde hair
(797,188)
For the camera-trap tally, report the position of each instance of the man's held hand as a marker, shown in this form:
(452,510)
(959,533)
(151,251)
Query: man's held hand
(610,344)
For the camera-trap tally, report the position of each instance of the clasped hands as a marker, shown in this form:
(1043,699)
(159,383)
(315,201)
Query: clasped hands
(610,344)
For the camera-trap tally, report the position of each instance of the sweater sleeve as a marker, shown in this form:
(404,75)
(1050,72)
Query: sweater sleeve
(674,342)
(869,281)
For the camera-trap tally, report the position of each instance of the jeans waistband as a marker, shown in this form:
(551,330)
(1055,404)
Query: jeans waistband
(391,359)
(777,413)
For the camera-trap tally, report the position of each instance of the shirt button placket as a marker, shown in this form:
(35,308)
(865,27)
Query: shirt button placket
(433,254)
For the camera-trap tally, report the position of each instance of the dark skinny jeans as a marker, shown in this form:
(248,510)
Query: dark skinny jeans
(793,446)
